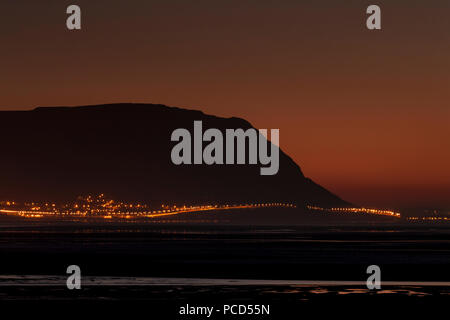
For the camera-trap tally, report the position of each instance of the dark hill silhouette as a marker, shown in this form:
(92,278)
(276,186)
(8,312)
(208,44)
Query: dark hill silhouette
(123,150)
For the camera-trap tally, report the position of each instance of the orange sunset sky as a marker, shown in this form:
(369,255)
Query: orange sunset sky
(365,113)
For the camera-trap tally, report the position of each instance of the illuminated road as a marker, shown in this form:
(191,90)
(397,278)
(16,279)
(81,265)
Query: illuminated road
(174,210)
(144,214)
(358,210)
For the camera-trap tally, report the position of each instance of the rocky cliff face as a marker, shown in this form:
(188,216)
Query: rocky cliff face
(124,150)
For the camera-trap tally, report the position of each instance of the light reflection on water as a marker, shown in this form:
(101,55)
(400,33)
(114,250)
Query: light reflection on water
(312,286)
(19,287)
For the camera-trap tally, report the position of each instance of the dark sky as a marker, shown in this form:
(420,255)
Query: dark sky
(365,113)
